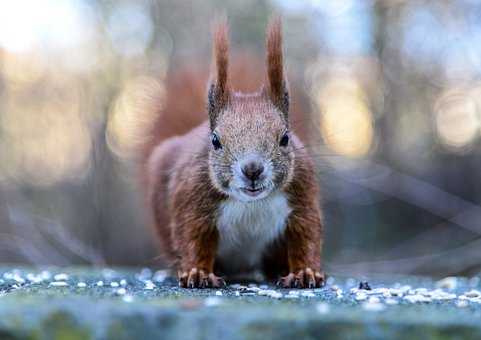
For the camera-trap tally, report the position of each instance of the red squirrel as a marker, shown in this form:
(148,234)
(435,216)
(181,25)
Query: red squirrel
(239,192)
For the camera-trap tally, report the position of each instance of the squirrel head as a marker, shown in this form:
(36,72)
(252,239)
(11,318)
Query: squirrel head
(251,153)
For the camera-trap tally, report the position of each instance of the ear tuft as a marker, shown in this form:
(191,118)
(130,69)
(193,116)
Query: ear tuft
(218,91)
(276,82)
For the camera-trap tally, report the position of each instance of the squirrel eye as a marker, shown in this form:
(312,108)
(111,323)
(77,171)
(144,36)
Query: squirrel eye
(216,142)
(284,140)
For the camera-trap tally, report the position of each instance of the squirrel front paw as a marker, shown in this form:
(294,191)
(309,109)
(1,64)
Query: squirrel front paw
(198,278)
(304,278)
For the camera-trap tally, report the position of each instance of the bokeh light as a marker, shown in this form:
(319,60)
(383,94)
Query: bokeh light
(130,28)
(44,143)
(132,114)
(22,69)
(457,119)
(346,122)
(28,25)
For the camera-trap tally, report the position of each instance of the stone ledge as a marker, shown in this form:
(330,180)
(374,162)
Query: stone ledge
(120,304)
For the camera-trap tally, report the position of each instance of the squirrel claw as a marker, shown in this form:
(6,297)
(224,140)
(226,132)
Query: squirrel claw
(198,278)
(304,278)
(220,282)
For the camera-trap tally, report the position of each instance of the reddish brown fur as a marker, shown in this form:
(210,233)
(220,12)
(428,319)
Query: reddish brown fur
(184,201)
(221,47)
(275,66)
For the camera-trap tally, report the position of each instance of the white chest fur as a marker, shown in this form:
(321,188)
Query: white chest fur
(245,229)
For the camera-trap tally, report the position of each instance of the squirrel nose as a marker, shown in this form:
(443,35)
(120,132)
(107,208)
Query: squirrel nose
(253,170)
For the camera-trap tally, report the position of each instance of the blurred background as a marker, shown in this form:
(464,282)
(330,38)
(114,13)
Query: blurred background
(391,96)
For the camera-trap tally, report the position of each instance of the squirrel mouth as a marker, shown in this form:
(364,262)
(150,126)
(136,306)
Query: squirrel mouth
(252,191)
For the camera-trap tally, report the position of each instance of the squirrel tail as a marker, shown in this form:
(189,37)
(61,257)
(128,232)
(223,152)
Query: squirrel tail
(179,110)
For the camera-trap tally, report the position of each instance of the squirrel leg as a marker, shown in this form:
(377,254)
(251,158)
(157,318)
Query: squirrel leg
(304,242)
(197,255)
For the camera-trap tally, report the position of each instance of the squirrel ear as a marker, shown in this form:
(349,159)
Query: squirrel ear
(218,90)
(277,90)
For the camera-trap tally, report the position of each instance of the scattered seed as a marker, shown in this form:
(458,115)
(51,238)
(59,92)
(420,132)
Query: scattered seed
(34,278)
(308,294)
(364,285)
(18,278)
(61,277)
(253,289)
(417,299)
(449,282)
(149,285)
(121,291)
(443,296)
(276,295)
(473,293)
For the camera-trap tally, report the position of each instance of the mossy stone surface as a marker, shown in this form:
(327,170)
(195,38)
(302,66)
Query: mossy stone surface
(129,304)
